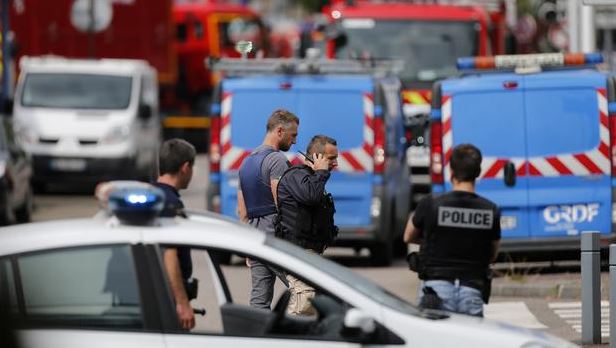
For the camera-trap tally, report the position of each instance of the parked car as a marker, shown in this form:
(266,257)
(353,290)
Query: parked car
(101,282)
(16,197)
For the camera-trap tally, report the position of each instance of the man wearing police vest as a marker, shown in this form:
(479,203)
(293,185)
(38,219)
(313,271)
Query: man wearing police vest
(306,212)
(458,233)
(256,196)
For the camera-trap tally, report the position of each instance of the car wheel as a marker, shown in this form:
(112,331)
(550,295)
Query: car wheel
(24,213)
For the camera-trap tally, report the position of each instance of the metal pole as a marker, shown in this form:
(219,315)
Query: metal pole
(91,28)
(612,296)
(573,22)
(591,288)
(6,54)
(587,29)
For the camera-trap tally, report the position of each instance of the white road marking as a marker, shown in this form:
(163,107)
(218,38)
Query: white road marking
(571,313)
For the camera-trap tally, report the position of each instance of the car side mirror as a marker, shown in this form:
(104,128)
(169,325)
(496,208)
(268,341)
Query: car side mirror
(145,111)
(358,325)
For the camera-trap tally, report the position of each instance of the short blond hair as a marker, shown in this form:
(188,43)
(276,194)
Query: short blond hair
(281,117)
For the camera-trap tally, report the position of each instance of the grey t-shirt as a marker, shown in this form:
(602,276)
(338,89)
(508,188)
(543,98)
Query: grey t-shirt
(273,166)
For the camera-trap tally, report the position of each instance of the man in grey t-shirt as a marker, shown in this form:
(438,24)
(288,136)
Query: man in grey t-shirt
(256,197)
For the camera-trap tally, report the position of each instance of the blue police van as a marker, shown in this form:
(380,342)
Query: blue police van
(545,125)
(341,99)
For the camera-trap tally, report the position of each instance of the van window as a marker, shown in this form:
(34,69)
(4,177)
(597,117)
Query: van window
(569,123)
(76,91)
(472,119)
(338,114)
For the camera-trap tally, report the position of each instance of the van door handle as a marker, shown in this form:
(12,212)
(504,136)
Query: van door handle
(510,174)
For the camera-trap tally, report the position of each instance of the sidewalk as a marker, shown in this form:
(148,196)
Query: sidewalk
(549,286)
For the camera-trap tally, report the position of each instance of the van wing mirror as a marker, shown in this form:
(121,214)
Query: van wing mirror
(510,175)
(145,111)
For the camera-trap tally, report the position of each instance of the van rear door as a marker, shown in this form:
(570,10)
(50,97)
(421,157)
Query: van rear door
(246,105)
(499,132)
(342,107)
(337,106)
(568,153)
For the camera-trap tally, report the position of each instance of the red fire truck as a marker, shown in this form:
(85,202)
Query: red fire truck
(428,36)
(175,38)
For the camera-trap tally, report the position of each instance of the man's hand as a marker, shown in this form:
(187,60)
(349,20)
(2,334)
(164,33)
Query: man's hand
(185,315)
(320,162)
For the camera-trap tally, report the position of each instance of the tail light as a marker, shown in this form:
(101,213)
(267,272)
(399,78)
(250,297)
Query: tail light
(215,150)
(613,142)
(379,145)
(436,153)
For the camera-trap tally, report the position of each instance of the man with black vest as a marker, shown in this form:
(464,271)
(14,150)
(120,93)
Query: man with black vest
(306,212)
(256,197)
(459,234)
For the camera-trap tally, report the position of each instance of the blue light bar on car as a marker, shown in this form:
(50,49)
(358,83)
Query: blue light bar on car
(529,60)
(134,202)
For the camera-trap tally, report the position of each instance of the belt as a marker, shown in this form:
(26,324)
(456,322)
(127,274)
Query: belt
(477,284)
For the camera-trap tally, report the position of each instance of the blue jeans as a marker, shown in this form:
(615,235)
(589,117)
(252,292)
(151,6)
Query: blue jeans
(455,297)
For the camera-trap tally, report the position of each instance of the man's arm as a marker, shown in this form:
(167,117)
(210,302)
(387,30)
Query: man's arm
(241,207)
(494,252)
(182,305)
(274,187)
(411,233)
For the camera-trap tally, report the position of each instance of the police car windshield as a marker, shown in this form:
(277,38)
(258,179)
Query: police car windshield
(429,48)
(76,91)
(353,280)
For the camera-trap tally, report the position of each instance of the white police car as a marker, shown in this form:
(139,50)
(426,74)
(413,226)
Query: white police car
(101,282)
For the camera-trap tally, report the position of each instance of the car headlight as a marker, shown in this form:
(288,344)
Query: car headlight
(116,135)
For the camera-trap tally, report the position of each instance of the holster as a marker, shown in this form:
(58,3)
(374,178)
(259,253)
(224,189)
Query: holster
(430,299)
(487,287)
(191,285)
(415,264)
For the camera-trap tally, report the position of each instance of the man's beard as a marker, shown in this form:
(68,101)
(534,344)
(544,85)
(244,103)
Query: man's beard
(284,147)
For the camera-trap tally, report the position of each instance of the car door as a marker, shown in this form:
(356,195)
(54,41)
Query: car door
(92,295)
(231,321)
(488,111)
(568,148)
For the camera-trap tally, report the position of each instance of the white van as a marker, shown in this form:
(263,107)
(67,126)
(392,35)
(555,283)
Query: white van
(85,121)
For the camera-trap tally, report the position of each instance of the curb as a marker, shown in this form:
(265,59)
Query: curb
(557,291)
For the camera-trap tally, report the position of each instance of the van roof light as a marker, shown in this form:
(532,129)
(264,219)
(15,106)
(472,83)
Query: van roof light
(132,202)
(522,61)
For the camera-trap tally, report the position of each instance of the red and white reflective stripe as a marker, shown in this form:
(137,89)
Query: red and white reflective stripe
(232,156)
(447,135)
(358,159)
(592,162)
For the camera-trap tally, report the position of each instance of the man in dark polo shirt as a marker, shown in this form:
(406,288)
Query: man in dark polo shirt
(459,234)
(176,160)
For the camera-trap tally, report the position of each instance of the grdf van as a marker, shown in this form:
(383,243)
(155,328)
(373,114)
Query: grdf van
(546,126)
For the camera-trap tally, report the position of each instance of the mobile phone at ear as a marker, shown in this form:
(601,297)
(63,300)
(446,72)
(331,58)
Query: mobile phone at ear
(306,156)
